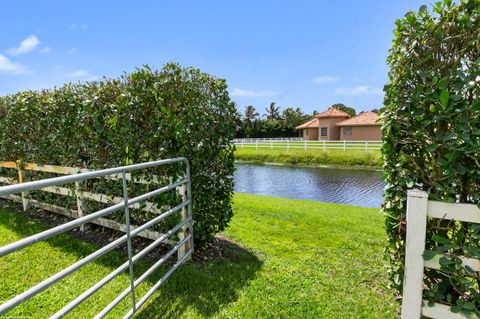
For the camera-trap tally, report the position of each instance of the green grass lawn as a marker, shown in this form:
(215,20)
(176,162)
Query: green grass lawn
(288,259)
(310,157)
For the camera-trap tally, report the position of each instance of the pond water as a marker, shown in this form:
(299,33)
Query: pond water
(334,185)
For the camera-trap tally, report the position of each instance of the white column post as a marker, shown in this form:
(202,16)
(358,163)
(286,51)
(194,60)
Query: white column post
(417,202)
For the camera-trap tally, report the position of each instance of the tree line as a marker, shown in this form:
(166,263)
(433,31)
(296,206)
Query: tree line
(276,122)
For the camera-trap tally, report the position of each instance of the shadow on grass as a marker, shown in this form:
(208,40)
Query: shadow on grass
(205,287)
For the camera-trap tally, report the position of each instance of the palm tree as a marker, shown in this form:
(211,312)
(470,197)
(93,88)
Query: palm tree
(273,112)
(250,114)
(250,118)
(293,117)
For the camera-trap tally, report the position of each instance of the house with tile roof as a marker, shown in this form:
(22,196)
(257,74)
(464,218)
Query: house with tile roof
(334,125)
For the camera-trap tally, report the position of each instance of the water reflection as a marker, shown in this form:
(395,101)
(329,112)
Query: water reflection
(344,186)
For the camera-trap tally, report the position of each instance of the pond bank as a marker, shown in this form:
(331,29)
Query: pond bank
(311,158)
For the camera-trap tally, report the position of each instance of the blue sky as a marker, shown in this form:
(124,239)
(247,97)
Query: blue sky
(307,54)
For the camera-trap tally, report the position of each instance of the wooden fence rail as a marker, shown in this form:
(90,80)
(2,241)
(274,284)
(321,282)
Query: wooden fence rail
(80,195)
(419,207)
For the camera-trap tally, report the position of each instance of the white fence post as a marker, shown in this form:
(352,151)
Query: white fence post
(324,146)
(256,144)
(305,146)
(271,144)
(417,202)
(288,146)
(344,145)
(366,146)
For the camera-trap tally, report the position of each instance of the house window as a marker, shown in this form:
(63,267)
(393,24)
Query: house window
(324,131)
(347,131)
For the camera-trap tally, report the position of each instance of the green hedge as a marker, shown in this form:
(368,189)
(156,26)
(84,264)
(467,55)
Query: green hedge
(432,139)
(143,116)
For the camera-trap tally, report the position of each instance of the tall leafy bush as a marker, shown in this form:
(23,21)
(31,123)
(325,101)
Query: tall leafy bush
(143,116)
(432,139)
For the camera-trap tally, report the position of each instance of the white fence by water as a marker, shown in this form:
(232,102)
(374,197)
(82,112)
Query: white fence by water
(419,207)
(304,144)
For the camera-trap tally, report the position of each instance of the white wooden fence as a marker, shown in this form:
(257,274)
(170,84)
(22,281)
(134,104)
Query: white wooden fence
(265,139)
(419,207)
(80,195)
(304,144)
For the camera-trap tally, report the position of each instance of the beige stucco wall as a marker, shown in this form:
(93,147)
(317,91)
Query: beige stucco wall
(362,133)
(310,134)
(333,129)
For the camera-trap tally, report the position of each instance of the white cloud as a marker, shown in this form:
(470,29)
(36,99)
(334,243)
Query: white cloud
(78,74)
(46,50)
(7,66)
(248,93)
(326,79)
(72,51)
(27,45)
(78,26)
(358,90)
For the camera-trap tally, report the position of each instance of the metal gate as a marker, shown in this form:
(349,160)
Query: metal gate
(184,247)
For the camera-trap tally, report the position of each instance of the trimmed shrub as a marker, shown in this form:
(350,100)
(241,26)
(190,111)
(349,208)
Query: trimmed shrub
(143,116)
(431,137)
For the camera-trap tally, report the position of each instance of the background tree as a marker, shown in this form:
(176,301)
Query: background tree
(342,107)
(275,123)
(293,117)
(249,120)
(273,112)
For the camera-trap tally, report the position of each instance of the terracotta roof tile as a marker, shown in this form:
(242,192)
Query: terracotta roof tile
(332,112)
(311,123)
(363,119)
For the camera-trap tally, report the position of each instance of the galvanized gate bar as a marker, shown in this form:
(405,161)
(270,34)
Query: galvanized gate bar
(159,283)
(129,238)
(160,262)
(29,186)
(62,312)
(5,250)
(185,244)
(58,276)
